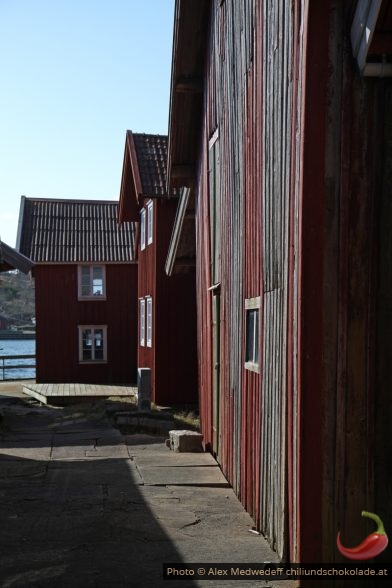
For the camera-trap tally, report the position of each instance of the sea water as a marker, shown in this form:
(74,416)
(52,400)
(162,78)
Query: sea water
(17,347)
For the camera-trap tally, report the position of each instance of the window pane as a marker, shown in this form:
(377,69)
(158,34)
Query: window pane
(97,287)
(85,272)
(142,318)
(98,342)
(87,344)
(149,322)
(149,222)
(85,280)
(97,281)
(256,338)
(143,229)
(252,336)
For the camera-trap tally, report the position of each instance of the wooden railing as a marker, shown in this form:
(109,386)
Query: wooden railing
(5,366)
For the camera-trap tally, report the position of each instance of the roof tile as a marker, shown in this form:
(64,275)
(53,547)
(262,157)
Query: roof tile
(72,231)
(151,153)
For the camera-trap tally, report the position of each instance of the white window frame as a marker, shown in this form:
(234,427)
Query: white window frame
(93,328)
(142,322)
(150,221)
(149,321)
(142,229)
(252,363)
(91,296)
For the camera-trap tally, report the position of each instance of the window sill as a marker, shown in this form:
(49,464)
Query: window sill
(252,367)
(92,362)
(91,298)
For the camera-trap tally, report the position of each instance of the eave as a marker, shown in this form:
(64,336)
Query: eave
(186,90)
(371,37)
(181,256)
(129,205)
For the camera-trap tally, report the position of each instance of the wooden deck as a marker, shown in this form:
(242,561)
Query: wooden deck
(52,392)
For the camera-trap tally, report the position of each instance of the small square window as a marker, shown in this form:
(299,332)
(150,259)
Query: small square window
(150,220)
(92,343)
(91,281)
(252,321)
(143,229)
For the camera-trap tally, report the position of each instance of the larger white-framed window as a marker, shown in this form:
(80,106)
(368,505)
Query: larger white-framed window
(150,221)
(142,322)
(252,330)
(149,321)
(143,229)
(92,343)
(91,282)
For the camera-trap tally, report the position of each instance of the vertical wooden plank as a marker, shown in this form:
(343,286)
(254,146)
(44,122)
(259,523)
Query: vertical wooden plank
(382,405)
(276,116)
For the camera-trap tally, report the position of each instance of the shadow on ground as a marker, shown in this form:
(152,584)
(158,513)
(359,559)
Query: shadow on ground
(83,506)
(71,516)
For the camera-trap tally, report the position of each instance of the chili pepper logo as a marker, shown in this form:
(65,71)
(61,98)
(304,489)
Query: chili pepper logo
(372,546)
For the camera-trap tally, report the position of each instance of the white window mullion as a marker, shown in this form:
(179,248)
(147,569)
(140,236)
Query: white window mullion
(143,229)
(142,319)
(150,221)
(149,321)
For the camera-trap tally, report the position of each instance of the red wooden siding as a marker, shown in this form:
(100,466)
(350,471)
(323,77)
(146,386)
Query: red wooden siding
(304,171)
(308,494)
(59,313)
(237,444)
(147,287)
(355,275)
(172,357)
(3,322)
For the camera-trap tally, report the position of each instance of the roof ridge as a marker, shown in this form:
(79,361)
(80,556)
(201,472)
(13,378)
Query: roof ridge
(136,134)
(72,200)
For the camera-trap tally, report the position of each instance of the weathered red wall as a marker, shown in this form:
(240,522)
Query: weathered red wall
(58,314)
(172,357)
(355,407)
(301,131)
(146,356)
(3,323)
(323,355)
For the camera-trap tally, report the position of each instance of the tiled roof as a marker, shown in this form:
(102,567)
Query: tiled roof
(69,231)
(151,154)
(11,259)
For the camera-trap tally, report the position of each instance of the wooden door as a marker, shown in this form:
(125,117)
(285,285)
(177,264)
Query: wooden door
(216,373)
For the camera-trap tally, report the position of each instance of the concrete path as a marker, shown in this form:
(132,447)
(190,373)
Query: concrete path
(84,507)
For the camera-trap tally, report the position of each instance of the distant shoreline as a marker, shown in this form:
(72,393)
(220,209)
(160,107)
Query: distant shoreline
(6,335)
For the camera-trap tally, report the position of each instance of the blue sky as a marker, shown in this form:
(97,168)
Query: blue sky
(75,75)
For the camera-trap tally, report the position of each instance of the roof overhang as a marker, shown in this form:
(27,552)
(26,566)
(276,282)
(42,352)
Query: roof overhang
(186,91)
(11,259)
(181,256)
(129,204)
(371,37)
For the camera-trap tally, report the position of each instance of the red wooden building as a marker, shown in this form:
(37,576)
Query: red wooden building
(4,323)
(284,145)
(85,288)
(167,307)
